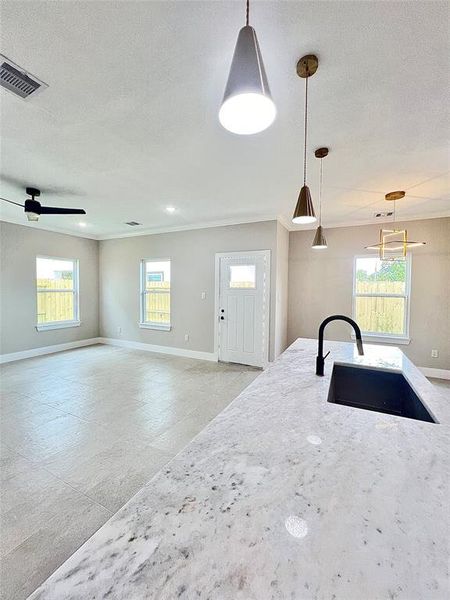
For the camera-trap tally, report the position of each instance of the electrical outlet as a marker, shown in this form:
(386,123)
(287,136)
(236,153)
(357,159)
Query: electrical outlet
(186,337)
(435,353)
(203,295)
(119,330)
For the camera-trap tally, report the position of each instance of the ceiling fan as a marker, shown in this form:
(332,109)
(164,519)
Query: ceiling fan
(33,209)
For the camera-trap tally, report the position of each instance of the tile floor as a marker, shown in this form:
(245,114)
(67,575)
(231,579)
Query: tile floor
(443,384)
(81,432)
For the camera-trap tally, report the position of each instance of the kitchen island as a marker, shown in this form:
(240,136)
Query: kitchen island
(285,496)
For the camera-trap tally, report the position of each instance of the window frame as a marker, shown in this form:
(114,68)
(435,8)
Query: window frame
(380,336)
(75,322)
(143,324)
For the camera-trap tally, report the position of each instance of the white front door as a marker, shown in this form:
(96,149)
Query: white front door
(243,307)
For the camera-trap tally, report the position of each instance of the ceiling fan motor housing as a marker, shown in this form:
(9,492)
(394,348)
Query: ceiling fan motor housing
(33,206)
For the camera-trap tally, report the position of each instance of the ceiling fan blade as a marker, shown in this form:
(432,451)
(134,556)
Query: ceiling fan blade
(53,210)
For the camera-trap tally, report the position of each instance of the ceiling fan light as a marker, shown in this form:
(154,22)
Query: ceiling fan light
(304,210)
(319,242)
(247,105)
(31,216)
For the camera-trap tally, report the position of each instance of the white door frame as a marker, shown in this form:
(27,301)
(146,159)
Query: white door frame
(219,255)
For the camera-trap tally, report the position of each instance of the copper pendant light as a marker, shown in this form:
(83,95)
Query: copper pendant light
(304,210)
(394,243)
(320,242)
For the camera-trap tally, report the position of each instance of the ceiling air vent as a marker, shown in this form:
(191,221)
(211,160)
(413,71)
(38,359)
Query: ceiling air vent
(379,215)
(133,223)
(18,81)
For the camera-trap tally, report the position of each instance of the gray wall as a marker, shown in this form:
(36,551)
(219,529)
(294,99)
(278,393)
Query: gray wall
(192,272)
(320,284)
(19,247)
(282,290)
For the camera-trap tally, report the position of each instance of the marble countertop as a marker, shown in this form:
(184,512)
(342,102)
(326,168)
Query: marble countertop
(285,496)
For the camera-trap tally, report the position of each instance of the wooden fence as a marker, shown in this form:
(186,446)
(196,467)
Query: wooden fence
(380,314)
(375,314)
(157,303)
(55,306)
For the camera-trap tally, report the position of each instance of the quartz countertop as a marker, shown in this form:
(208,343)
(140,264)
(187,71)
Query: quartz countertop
(285,496)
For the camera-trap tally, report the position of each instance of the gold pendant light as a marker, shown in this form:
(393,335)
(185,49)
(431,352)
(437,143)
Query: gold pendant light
(304,210)
(320,242)
(394,243)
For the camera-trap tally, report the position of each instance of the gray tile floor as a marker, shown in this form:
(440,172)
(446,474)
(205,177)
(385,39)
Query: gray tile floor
(81,432)
(443,384)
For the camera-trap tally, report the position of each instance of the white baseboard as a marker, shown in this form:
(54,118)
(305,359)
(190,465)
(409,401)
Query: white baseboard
(436,373)
(211,356)
(5,358)
(184,352)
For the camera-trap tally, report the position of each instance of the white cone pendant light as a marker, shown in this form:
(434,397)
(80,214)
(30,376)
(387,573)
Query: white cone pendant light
(320,242)
(247,105)
(304,210)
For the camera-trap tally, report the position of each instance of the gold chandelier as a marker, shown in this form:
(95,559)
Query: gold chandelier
(394,243)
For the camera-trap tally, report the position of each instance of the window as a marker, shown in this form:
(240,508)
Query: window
(243,276)
(155,294)
(57,293)
(381,297)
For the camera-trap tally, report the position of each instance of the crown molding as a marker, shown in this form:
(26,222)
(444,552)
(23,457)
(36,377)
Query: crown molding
(219,223)
(283,221)
(208,225)
(373,221)
(60,230)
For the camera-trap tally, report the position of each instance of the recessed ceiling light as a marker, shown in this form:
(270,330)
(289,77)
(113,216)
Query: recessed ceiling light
(82,224)
(170,209)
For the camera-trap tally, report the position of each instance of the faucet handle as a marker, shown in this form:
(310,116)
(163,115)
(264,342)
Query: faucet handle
(326,354)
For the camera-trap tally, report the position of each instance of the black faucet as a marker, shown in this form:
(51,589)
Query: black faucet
(320,360)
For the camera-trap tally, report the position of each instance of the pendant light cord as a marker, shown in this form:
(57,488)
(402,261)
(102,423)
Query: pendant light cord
(247,13)
(306,129)
(320,191)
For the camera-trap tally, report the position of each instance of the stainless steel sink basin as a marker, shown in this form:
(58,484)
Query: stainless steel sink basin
(380,391)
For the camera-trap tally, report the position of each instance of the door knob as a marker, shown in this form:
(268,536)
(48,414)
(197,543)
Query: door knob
(222,318)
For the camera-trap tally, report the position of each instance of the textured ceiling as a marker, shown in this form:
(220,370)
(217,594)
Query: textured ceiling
(129,122)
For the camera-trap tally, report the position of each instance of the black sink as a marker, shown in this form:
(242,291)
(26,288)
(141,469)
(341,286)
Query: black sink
(373,389)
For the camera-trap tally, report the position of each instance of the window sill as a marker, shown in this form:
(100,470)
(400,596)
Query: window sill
(384,339)
(59,325)
(157,326)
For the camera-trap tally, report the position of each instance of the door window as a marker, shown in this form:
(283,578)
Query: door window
(243,276)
